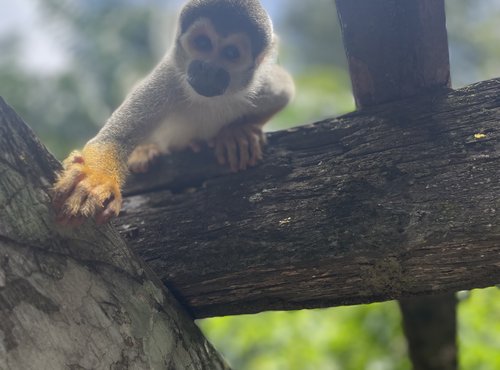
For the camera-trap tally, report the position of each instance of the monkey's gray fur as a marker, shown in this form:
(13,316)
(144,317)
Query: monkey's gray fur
(218,82)
(163,108)
(230,16)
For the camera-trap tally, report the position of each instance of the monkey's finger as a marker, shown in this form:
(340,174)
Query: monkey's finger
(255,147)
(220,151)
(232,154)
(110,201)
(70,218)
(143,157)
(110,210)
(94,204)
(244,155)
(85,201)
(251,137)
(71,206)
(256,153)
(65,185)
(75,202)
(257,130)
(262,136)
(67,181)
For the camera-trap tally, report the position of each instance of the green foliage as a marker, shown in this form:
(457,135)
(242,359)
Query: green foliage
(321,92)
(110,47)
(350,338)
(479,329)
(474,39)
(344,338)
(312,38)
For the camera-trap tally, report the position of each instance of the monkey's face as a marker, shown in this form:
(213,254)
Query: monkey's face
(216,64)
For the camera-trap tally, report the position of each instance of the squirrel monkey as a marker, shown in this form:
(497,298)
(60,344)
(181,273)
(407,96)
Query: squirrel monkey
(218,84)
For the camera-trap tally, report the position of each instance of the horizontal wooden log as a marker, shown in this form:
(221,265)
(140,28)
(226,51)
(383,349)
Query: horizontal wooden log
(389,202)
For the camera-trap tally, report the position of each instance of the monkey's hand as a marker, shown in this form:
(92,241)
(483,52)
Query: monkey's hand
(88,188)
(143,157)
(239,145)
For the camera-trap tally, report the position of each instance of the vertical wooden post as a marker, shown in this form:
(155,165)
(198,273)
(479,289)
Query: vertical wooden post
(397,49)
(429,324)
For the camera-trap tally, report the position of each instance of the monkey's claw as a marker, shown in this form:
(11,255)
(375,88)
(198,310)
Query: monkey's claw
(239,145)
(82,192)
(143,157)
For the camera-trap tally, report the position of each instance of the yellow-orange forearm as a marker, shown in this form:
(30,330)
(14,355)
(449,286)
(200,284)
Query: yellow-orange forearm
(104,159)
(90,184)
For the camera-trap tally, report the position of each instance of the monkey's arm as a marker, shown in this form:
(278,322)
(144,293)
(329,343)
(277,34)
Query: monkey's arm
(240,143)
(90,184)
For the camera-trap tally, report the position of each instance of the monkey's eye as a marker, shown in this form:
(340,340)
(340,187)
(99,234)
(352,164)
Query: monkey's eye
(231,53)
(202,43)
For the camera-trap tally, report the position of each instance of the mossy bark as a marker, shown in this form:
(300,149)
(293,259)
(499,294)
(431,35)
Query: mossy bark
(77,298)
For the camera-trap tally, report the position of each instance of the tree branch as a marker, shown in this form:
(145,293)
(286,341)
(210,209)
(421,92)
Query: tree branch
(388,202)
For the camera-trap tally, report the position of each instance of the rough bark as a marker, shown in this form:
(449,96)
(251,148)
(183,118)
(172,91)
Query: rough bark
(77,299)
(395,48)
(388,202)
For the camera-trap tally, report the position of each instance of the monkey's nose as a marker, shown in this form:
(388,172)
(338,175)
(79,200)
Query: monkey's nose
(208,79)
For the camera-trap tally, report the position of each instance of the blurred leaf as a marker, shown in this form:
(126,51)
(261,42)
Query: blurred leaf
(479,330)
(360,337)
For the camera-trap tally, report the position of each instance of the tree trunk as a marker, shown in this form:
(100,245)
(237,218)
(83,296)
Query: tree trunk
(77,299)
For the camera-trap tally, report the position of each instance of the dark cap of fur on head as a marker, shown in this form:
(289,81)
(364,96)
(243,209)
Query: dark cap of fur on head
(229,16)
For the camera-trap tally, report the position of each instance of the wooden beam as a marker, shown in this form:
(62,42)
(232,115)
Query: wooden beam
(393,201)
(430,327)
(395,48)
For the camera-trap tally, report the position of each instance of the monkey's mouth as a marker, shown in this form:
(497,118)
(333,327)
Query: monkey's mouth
(208,79)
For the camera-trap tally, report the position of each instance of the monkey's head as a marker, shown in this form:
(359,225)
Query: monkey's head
(220,43)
